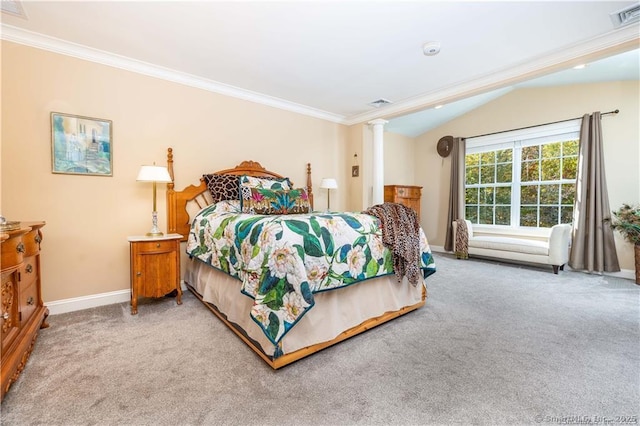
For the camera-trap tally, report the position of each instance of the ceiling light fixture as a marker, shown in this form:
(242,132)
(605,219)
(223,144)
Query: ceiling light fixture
(438,106)
(431,48)
(580,67)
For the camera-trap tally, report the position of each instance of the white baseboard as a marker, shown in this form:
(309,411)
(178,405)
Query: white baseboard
(91,301)
(85,302)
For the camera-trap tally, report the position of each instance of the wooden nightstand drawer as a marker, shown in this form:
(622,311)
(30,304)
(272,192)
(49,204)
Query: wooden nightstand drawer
(155,246)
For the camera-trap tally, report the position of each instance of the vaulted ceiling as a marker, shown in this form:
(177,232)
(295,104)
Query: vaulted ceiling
(332,59)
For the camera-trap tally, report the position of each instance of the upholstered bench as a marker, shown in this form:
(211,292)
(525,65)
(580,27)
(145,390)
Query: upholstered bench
(550,248)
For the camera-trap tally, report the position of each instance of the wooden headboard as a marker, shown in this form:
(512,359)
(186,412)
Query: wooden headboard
(178,220)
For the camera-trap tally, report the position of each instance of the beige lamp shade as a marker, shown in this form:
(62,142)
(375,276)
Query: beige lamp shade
(153,174)
(328,183)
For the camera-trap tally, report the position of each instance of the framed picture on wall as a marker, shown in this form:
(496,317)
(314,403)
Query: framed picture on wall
(81,145)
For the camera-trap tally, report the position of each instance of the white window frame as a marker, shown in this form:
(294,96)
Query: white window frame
(517,139)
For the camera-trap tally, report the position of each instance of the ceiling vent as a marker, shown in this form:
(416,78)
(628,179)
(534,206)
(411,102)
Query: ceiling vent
(380,102)
(626,16)
(13,7)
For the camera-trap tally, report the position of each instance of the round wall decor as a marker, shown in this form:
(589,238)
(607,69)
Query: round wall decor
(445,145)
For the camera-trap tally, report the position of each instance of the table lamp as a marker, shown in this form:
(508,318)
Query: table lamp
(154,174)
(328,184)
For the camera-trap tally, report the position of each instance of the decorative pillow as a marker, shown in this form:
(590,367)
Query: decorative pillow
(275,201)
(222,187)
(265,182)
(248,182)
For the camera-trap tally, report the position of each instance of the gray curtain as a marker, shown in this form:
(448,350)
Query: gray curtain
(592,243)
(456,189)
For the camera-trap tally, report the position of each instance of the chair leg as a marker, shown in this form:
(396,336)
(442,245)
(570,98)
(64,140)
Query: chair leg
(562,267)
(555,269)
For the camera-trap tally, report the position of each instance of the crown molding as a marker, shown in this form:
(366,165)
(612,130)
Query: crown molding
(617,41)
(63,47)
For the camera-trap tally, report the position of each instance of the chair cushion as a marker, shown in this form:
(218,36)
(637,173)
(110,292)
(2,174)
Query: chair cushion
(510,244)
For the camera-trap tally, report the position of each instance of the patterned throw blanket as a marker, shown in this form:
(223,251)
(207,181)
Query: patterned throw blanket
(401,234)
(461,244)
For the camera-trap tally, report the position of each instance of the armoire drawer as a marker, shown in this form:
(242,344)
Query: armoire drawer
(406,192)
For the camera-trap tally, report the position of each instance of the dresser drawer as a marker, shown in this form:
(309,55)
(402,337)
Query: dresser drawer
(12,251)
(28,301)
(28,271)
(155,246)
(31,241)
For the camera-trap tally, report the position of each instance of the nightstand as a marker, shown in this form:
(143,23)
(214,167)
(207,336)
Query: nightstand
(155,267)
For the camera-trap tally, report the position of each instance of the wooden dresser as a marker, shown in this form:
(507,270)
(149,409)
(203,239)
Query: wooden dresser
(22,312)
(407,195)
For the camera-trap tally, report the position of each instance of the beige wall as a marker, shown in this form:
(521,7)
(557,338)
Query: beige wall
(399,159)
(85,249)
(533,106)
(355,184)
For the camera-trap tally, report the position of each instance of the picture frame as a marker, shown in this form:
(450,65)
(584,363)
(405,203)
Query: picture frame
(81,145)
(355,171)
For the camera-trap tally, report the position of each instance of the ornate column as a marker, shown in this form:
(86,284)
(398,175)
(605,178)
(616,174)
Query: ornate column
(377,168)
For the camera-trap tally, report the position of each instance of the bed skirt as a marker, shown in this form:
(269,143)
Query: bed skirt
(334,313)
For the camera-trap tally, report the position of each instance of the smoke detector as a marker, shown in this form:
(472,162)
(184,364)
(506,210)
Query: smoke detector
(431,48)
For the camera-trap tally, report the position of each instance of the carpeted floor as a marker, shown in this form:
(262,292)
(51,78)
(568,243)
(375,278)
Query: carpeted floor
(495,344)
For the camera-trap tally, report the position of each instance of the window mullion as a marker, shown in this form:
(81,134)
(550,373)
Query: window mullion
(515,184)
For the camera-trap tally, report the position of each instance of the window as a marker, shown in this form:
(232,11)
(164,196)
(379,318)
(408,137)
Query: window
(522,178)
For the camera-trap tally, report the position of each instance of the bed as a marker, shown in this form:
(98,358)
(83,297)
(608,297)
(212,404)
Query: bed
(288,285)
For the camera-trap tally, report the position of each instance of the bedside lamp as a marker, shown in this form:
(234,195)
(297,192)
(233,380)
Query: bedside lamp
(328,184)
(154,174)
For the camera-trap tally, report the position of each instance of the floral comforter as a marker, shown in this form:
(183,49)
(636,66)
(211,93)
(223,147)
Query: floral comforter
(283,260)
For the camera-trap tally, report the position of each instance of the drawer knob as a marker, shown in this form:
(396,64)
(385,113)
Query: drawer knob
(20,248)
(29,268)
(30,301)
(5,316)
(138,274)
(158,245)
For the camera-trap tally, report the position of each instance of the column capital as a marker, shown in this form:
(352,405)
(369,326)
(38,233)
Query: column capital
(377,121)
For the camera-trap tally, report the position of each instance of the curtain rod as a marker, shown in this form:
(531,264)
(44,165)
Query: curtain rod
(537,125)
